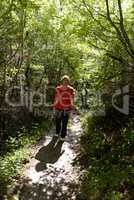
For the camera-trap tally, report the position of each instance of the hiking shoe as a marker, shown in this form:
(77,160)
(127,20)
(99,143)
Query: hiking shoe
(62,139)
(56,135)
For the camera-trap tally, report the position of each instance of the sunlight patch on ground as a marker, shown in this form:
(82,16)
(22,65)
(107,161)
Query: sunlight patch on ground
(51,172)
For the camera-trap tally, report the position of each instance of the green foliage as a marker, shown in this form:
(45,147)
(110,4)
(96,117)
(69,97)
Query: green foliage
(12,163)
(18,150)
(109,164)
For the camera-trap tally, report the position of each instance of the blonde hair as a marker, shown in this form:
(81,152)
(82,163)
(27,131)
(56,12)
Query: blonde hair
(65,77)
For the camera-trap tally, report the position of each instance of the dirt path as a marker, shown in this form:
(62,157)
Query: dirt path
(51,174)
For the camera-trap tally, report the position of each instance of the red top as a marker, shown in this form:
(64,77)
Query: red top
(64,97)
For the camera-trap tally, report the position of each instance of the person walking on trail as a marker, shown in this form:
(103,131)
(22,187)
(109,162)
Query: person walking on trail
(63,105)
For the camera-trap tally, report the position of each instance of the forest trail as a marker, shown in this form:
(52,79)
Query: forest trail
(51,173)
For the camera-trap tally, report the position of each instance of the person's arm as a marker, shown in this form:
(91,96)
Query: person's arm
(72,99)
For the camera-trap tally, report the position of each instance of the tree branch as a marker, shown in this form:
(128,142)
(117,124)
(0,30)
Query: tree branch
(119,33)
(125,35)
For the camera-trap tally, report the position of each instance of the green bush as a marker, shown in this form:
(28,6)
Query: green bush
(108,161)
(18,151)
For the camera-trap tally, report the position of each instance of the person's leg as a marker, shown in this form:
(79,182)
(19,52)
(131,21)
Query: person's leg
(58,122)
(65,118)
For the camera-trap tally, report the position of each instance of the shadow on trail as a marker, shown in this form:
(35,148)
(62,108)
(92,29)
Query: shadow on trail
(49,154)
(52,173)
(53,184)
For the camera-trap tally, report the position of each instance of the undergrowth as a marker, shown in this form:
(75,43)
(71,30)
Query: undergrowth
(107,158)
(17,150)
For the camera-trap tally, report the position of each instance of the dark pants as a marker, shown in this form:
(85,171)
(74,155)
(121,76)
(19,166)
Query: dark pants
(61,118)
